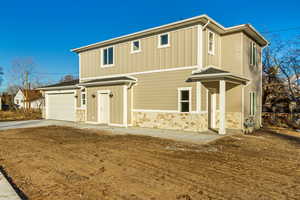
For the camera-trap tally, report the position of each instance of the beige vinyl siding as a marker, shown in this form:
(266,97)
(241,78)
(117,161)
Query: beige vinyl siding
(203,98)
(232,51)
(116,104)
(182,52)
(159,91)
(78,98)
(208,59)
(254,74)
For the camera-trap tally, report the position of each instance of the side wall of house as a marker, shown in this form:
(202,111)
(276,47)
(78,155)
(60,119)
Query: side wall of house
(255,85)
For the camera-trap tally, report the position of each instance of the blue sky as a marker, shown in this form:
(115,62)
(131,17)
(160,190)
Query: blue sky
(46,30)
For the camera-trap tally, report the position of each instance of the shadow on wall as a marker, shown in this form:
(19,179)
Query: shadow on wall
(15,187)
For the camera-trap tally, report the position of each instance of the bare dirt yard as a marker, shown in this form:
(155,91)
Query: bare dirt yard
(64,163)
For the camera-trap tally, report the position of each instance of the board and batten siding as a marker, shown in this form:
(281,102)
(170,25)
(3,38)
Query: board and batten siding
(116,103)
(211,59)
(159,91)
(181,52)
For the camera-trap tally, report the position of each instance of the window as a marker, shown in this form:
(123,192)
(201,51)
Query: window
(135,46)
(184,99)
(211,43)
(83,99)
(253,54)
(252,103)
(164,40)
(108,57)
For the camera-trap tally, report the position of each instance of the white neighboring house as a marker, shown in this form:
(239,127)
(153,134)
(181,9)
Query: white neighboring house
(34,96)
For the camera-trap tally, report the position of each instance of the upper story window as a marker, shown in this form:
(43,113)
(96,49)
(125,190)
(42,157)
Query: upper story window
(184,99)
(107,57)
(253,54)
(211,43)
(164,40)
(135,46)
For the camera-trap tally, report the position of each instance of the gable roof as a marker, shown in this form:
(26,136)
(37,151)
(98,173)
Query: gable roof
(66,84)
(213,74)
(111,80)
(202,19)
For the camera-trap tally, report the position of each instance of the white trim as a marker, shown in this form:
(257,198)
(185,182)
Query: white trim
(135,51)
(222,107)
(102,60)
(179,98)
(60,91)
(105,83)
(91,122)
(143,72)
(79,59)
(211,52)
(125,105)
(159,45)
(213,110)
(200,46)
(166,111)
(118,125)
(198,96)
(103,92)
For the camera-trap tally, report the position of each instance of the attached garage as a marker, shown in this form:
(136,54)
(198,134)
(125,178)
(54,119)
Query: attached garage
(60,106)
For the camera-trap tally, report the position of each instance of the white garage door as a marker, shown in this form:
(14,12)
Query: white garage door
(61,106)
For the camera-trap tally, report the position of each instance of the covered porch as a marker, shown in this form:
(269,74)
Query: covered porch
(218,82)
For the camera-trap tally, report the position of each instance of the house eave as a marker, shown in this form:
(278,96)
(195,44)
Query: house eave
(202,19)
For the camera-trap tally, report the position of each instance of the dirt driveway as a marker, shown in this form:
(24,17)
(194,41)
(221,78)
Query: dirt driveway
(65,163)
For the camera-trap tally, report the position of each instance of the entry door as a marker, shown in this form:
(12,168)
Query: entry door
(103,108)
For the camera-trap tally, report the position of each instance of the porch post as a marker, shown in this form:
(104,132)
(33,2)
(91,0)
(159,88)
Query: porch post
(222,124)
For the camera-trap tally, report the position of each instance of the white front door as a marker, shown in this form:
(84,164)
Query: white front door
(103,103)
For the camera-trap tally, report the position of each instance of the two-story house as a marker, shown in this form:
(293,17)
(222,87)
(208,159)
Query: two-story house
(188,75)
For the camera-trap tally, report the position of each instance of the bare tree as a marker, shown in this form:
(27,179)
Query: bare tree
(283,57)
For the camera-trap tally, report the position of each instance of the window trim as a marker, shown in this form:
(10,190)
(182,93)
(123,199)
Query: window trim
(253,104)
(180,101)
(102,60)
(253,54)
(136,51)
(211,52)
(81,100)
(159,40)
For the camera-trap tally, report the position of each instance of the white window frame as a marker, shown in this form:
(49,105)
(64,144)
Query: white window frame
(132,46)
(253,54)
(81,99)
(102,60)
(211,52)
(253,104)
(159,40)
(180,101)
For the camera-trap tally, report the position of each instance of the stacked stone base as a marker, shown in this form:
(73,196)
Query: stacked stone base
(80,115)
(233,120)
(173,121)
